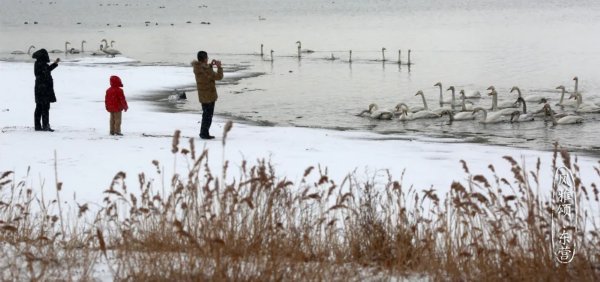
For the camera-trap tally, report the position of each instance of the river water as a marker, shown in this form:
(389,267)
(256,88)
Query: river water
(536,45)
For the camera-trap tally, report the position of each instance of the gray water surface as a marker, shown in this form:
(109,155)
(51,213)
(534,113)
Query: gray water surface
(536,45)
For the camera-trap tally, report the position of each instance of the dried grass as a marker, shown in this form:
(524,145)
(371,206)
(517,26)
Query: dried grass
(263,227)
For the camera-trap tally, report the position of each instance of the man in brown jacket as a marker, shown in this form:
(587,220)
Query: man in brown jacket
(207,91)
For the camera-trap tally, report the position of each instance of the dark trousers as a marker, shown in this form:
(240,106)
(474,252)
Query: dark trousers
(208,110)
(42,112)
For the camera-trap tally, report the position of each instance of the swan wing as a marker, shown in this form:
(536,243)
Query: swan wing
(425,114)
(464,116)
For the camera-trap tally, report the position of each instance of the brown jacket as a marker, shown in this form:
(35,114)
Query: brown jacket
(205,81)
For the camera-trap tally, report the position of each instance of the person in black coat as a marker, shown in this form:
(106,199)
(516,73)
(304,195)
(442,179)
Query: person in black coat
(44,89)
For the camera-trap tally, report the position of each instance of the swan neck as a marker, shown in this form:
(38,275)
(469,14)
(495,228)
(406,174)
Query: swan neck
(494,101)
(453,99)
(424,102)
(441,97)
(562,96)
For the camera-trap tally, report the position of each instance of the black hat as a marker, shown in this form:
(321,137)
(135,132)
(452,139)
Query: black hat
(41,55)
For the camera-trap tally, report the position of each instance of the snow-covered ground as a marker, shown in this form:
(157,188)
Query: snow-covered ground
(88,157)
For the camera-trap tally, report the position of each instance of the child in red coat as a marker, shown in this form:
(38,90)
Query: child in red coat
(115,104)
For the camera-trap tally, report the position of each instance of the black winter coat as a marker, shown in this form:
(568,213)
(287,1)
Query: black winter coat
(44,85)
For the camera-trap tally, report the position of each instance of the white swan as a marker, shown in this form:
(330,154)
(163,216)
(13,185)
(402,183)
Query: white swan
(109,50)
(413,109)
(520,116)
(570,119)
(18,52)
(452,102)
(562,102)
(458,116)
(441,99)
(403,111)
(493,117)
(426,113)
(530,98)
(584,108)
(67,47)
(76,51)
(306,51)
(383,54)
(272,59)
(424,107)
(505,106)
(464,107)
(375,113)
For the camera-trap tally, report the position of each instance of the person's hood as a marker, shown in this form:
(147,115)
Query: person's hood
(115,81)
(41,55)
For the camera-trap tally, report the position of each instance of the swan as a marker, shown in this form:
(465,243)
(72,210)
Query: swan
(398,107)
(567,103)
(409,63)
(463,104)
(375,113)
(542,112)
(399,56)
(580,102)
(306,51)
(584,108)
(453,101)
(531,98)
(404,113)
(493,117)
(261,50)
(272,58)
(109,50)
(425,113)
(520,116)
(418,109)
(570,119)
(504,105)
(450,101)
(75,51)
(18,52)
(457,116)
(383,54)
(67,47)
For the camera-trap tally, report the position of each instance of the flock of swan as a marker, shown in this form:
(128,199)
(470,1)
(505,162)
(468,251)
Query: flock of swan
(105,49)
(505,111)
(301,51)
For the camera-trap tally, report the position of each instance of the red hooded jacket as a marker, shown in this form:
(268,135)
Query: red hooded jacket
(115,98)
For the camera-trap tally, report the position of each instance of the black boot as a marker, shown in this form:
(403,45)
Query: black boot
(206,136)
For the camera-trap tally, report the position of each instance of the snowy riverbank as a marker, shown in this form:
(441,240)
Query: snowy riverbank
(88,157)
